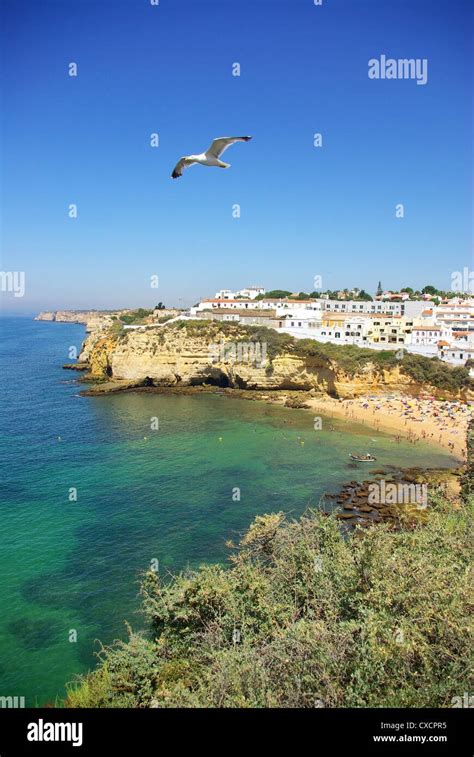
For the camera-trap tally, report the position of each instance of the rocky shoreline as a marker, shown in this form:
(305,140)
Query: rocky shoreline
(357,507)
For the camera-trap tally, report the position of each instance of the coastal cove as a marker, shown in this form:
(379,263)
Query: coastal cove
(442,426)
(143,493)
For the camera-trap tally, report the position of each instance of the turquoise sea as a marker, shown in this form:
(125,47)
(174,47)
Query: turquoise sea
(142,495)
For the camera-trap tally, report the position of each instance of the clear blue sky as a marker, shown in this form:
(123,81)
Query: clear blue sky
(305,211)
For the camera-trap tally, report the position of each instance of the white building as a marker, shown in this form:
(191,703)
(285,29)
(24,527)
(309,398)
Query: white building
(425,335)
(456,355)
(409,308)
(283,305)
(459,314)
(305,309)
(251,292)
(351,331)
(225,294)
(231,303)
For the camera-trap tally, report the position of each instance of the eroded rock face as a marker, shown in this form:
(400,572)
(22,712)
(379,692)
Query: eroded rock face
(371,379)
(175,356)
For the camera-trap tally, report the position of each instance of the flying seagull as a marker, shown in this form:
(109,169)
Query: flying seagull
(210,157)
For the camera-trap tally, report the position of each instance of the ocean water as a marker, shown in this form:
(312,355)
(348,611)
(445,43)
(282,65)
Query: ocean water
(142,494)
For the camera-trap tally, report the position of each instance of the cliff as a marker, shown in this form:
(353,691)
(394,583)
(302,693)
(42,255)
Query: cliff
(91,319)
(184,354)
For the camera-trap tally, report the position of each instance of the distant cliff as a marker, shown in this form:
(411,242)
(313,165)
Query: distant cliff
(197,352)
(91,319)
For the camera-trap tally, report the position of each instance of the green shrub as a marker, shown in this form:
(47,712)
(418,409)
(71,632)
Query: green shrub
(276,343)
(116,329)
(435,372)
(375,619)
(136,316)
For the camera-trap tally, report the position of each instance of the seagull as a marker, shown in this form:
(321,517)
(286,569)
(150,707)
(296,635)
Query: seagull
(210,157)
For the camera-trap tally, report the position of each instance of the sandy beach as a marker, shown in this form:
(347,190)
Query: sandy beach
(429,420)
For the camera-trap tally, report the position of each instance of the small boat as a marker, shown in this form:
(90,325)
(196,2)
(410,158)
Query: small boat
(363,458)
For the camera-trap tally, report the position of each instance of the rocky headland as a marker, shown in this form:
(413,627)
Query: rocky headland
(184,353)
(91,319)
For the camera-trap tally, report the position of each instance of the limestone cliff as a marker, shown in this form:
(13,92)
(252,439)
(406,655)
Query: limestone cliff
(182,356)
(91,319)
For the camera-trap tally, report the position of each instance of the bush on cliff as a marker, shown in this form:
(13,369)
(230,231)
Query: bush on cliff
(436,373)
(353,359)
(303,618)
(135,316)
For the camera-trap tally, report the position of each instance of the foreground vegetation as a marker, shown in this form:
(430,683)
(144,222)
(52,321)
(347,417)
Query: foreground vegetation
(304,617)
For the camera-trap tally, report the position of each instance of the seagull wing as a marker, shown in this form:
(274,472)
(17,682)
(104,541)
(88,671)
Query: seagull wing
(221,144)
(181,165)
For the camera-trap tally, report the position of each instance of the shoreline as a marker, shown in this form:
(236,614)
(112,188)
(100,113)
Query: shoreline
(351,411)
(443,424)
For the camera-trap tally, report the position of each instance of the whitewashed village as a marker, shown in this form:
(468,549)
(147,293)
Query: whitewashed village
(428,326)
